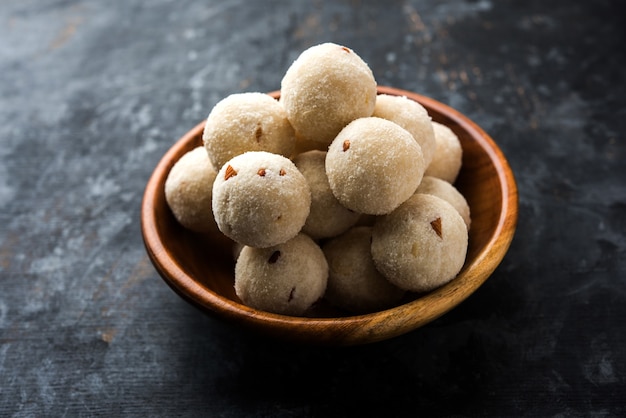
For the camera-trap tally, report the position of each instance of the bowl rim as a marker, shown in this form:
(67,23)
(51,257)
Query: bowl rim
(344,330)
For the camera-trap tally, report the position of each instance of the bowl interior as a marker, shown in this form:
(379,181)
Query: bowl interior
(200,268)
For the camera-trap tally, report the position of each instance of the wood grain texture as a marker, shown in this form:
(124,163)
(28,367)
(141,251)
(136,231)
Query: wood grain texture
(200,268)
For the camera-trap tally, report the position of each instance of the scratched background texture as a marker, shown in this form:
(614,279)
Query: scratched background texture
(93,93)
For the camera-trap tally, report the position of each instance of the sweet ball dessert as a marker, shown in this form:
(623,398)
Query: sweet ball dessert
(448,157)
(410,115)
(189,191)
(245,122)
(421,245)
(449,193)
(324,89)
(327,217)
(367,177)
(354,284)
(374,165)
(260,199)
(286,279)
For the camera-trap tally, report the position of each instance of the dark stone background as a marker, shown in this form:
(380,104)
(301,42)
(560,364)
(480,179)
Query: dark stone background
(93,93)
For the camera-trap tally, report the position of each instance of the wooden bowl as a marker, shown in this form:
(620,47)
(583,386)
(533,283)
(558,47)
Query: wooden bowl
(200,268)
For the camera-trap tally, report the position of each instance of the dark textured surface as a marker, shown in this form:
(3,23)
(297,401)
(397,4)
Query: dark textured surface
(93,93)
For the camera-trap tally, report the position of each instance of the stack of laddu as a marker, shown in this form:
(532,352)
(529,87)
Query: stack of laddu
(332,191)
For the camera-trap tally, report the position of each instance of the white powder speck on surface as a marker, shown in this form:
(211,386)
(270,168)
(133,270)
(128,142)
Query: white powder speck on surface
(3,316)
(598,369)
(102,186)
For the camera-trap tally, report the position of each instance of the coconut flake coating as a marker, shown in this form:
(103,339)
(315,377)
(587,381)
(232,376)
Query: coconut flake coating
(247,122)
(412,116)
(189,190)
(354,284)
(324,89)
(448,156)
(447,192)
(260,199)
(286,279)
(327,217)
(374,165)
(421,245)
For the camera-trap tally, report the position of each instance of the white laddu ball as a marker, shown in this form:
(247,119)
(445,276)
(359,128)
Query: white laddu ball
(448,158)
(328,217)
(412,116)
(354,284)
(324,89)
(260,199)
(374,165)
(449,193)
(189,191)
(245,122)
(286,278)
(421,245)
